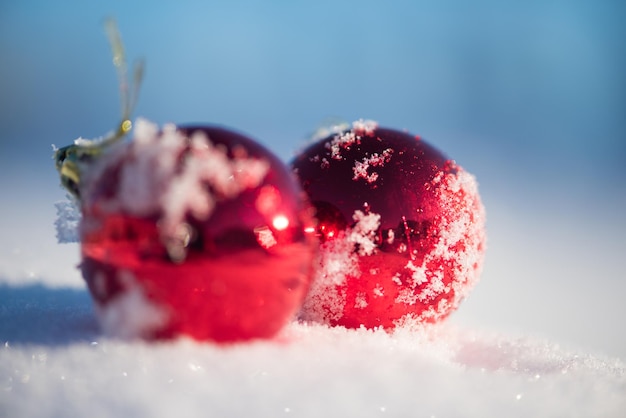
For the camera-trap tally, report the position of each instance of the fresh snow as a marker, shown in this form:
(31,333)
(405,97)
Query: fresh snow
(529,92)
(62,366)
(56,361)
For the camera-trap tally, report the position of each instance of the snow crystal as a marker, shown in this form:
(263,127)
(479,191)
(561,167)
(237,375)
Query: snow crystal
(419,273)
(67,220)
(360,172)
(341,141)
(153,180)
(364,126)
(363,233)
(346,138)
(339,259)
(344,132)
(84,142)
(360,301)
(396,279)
(379,291)
(463,222)
(434,288)
(361,168)
(326,297)
(265,237)
(131,314)
(406,296)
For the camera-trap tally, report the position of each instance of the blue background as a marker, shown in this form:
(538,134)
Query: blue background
(529,96)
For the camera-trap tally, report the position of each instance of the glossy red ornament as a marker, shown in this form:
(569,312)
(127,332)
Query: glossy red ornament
(194,231)
(401,228)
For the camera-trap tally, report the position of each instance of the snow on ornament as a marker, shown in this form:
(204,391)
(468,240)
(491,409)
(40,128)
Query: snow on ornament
(188,230)
(402,228)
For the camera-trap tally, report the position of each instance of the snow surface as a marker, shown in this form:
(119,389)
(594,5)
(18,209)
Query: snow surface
(55,361)
(64,364)
(555,265)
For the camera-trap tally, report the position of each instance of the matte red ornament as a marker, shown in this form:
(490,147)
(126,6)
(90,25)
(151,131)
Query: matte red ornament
(401,229)
(194,231)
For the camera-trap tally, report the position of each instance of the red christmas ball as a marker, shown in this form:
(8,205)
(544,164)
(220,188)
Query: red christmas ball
(402,229)
(194,231)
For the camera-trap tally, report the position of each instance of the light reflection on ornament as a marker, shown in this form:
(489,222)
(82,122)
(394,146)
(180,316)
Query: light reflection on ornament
(280,222)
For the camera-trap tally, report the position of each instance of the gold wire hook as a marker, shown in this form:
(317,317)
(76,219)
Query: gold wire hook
(69,159)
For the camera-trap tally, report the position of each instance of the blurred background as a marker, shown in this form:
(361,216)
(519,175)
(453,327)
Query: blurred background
(529,96)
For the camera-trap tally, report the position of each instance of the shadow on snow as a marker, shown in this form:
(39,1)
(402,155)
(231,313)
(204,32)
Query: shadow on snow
(36,314)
